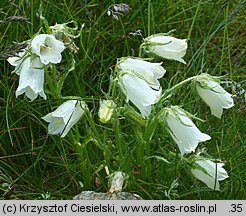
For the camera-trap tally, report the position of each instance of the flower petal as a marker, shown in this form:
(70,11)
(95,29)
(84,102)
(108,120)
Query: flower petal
(139,93)
(31,79)
(56,126)
(64,117)
(48,48)
(77,113)
(208,180)
(166,47)
(183,130)
(214,96)
(148,71)
(211,173)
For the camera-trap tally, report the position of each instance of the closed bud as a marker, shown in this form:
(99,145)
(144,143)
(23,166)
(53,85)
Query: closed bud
(106,110)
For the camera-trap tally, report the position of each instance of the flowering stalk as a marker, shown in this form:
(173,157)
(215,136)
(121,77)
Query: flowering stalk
(99,143)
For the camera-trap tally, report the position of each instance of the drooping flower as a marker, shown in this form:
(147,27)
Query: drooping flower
(166,47)
(148,71)
(138,80)
(209,172)
(106,110)
(48,48)
(183,131)
(31,73)
(64,117)
(213,94)
(31,79)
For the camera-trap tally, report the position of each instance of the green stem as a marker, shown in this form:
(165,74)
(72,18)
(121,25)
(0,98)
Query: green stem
(118,139)
(52,82)
(174,88)
(83,156)
(49,80)
(180,84)
(53,74)
(7,116)
(149,3)
(149,131)
(140,55)
(112,86)
(43,19)
(114,93)
(96,136)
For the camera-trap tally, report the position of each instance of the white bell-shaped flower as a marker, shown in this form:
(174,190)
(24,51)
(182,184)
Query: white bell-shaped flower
(31,78)
(31,73)
(48,48)
(106,110)
(183,130)
(213,94)
(139,92)
(148,71)
(64,117)
(209,172)
(138,80)
(167,47)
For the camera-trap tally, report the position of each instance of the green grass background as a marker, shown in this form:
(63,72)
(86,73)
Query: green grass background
(36,166)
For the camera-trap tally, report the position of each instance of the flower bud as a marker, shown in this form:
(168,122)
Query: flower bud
(106,110)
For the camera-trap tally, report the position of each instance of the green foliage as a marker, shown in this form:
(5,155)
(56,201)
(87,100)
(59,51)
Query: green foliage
(34,165)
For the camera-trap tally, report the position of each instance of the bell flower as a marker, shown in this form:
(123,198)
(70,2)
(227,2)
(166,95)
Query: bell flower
(183,131)
(48,48)
(64,117)
(209,172)
(148,71)
(167,47)
(213,94)
(139,92)
(31,78)
(106,110)
(138,79)
(31,73)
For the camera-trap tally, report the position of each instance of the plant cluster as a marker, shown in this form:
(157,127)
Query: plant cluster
(134,86)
